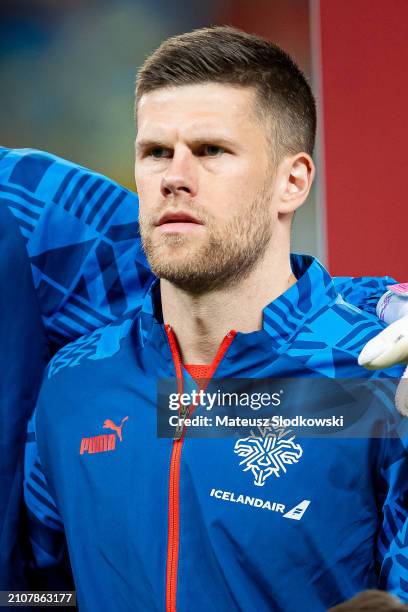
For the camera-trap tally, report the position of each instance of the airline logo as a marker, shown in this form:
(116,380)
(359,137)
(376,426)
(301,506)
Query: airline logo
(298,511)
(295,513)
(105,442)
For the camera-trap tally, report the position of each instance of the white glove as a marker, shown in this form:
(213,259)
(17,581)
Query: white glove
(389,348)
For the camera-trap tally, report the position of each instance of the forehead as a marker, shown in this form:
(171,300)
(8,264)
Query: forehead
(195,108)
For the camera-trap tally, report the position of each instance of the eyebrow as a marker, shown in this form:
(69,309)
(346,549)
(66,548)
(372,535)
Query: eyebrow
(148,143)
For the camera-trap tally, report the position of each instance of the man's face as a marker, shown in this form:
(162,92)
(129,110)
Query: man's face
(204,178)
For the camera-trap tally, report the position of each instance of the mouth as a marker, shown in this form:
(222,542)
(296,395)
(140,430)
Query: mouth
(178,222)
(178,217)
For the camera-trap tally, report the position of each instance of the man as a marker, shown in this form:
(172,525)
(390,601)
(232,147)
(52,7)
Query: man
(70,262)
(70,249)
(226,125)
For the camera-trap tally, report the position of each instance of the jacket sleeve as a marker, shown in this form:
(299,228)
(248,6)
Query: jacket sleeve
(392,544)
(82,239)
(363,292)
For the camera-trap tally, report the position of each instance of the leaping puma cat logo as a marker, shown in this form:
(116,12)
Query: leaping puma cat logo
(109,424)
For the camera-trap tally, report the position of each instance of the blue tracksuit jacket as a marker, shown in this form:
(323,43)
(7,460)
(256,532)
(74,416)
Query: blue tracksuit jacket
(155,524)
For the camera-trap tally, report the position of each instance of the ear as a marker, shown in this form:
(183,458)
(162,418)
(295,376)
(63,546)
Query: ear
(295,176)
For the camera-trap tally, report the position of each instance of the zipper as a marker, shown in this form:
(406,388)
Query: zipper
(175,353)
(175,461)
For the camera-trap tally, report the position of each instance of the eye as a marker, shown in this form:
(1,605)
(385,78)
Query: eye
(211,150)
(160,153)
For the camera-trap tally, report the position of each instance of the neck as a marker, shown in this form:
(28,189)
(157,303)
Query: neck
(200,322)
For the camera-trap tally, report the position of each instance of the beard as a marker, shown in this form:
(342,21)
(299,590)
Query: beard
(225,256)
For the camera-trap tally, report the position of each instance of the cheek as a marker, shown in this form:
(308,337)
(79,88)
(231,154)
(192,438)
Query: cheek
(147,180)
(148,190)
(227,182)
(147,204)
(234,192)
(245,175)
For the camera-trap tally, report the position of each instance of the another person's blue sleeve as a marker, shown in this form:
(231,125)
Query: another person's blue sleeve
(71,262)
(82,238)
(392,543)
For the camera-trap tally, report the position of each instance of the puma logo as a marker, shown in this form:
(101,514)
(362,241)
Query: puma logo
(109,424)
(105,442)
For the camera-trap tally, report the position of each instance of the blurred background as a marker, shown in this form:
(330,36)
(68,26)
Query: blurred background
(67,72)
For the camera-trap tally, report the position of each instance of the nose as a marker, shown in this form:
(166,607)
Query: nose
(180,176)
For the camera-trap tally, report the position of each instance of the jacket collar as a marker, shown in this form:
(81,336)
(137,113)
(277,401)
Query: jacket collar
(313,292)
(282,318)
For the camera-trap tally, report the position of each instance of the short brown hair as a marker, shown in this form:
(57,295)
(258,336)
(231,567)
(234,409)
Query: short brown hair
(223,54)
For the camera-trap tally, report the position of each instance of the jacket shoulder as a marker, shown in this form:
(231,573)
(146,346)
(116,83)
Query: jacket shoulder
(102,343)
(333,338)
